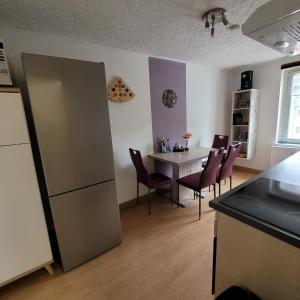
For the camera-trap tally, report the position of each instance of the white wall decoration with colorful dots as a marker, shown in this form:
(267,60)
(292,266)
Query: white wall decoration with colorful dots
(119,91)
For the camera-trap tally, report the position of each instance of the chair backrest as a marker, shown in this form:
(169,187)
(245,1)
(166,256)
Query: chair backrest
(141,172)
(209,173)
(226,169)
(220,141)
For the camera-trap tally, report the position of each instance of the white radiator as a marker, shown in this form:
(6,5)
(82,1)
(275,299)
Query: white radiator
(279,153)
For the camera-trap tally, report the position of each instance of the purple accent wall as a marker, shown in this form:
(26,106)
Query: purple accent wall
(167,122)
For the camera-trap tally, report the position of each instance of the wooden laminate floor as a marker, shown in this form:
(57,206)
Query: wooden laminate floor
(165,256)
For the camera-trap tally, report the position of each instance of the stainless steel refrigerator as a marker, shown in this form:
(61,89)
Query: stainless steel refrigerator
(69,108)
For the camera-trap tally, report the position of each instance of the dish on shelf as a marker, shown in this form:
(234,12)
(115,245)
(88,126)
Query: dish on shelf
(243,104)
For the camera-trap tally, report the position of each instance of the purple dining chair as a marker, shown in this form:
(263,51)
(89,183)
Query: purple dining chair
(206,177)
(152,181)
(220,141)
(226,169)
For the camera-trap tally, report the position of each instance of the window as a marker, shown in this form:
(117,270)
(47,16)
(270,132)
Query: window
(288,130)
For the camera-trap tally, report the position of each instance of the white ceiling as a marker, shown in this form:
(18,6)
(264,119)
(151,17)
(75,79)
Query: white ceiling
(166,28)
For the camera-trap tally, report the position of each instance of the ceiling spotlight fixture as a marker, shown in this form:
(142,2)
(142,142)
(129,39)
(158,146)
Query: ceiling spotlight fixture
(215,16)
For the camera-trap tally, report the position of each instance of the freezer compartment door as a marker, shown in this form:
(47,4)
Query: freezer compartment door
(87,223)
(70,112)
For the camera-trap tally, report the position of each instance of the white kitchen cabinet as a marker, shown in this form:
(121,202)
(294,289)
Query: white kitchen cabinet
(25,244)
(250,258)
(13,126)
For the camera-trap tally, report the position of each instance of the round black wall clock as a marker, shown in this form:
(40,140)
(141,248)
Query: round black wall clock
(169,98)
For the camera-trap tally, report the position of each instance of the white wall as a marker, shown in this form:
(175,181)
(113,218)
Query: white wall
(267,79)
(130,122)
(208,103)
(207,109)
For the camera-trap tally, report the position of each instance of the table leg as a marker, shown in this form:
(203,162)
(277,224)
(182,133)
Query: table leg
(175,189)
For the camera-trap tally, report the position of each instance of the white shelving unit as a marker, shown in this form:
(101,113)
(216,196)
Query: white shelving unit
(244,121)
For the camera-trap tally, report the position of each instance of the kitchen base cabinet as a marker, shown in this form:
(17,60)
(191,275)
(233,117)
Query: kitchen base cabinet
(248,257)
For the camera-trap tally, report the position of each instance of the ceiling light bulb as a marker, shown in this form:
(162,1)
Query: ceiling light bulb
(224,19)
(206,23)
(213,20)
(233,27)
(212,31)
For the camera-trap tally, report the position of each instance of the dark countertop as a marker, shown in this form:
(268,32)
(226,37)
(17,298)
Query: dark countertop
(269,202)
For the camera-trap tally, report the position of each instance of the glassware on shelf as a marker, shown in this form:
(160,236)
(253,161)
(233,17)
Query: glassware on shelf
(237,119)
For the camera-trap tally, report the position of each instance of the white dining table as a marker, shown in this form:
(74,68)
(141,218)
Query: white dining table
(183,163)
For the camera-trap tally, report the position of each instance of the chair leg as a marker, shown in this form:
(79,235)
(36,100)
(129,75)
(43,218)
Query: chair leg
(149,201)
(200,205)
(230,182)
(171,192)
(137,194)
(214,190)
(178,195)
(220,188)
(209,188)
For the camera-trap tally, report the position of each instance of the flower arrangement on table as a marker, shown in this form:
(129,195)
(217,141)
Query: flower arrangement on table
(187,136)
